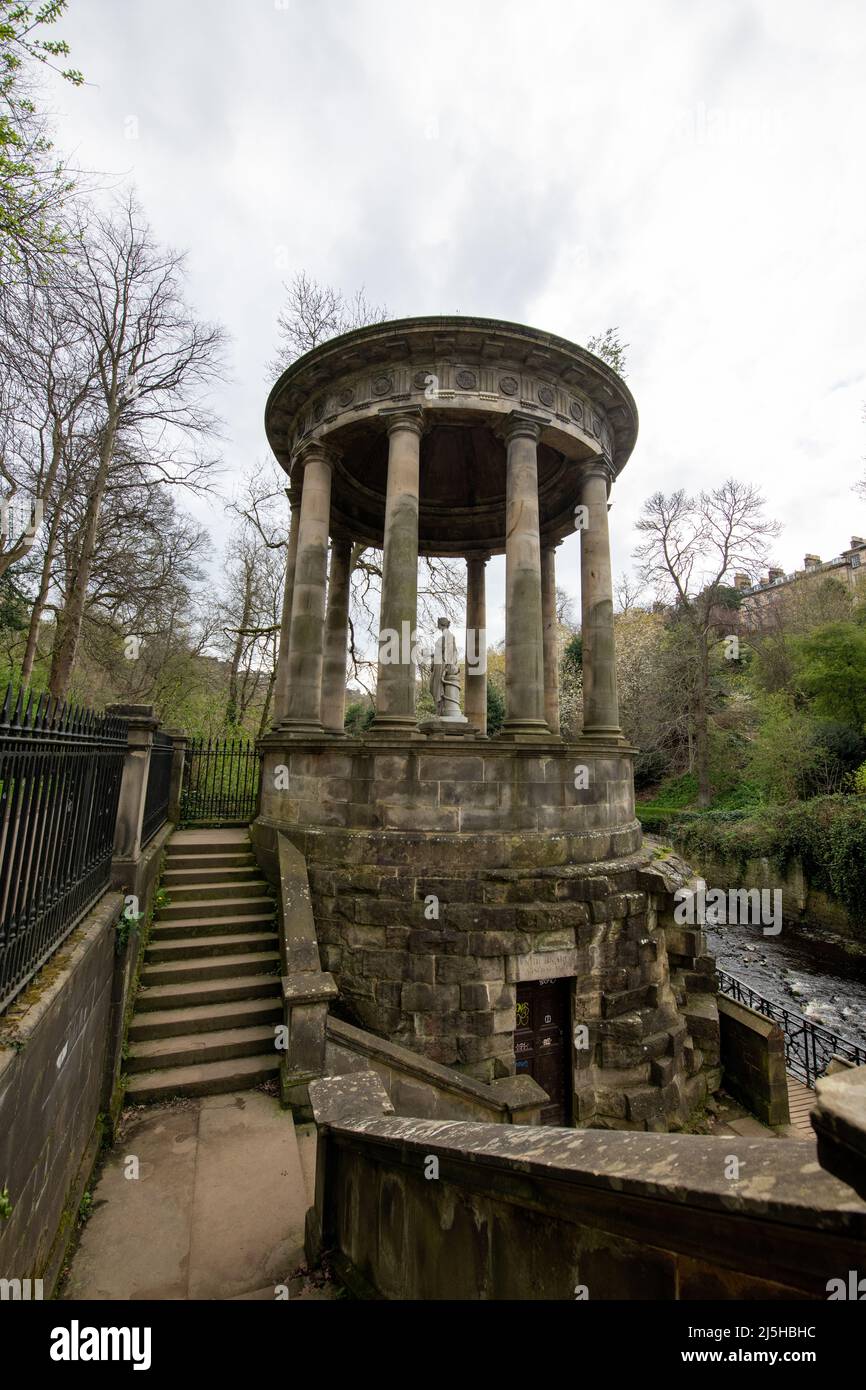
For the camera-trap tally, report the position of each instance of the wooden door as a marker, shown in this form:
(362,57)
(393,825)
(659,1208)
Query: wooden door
(541,1044)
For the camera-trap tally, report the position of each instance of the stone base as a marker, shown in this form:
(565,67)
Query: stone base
(448,728)
(428,947)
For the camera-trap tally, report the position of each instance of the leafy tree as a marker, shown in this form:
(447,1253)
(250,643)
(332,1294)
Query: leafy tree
(832,672)
(33,188)
(610,348)
(572,657)
(495,708)
(359,716)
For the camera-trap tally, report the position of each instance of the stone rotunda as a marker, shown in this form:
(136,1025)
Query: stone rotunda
(485,901)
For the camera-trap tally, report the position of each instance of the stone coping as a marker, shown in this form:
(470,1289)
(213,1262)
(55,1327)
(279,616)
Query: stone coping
(780,1183)
(483,850)
(474,746)
(25,1012)
(839,1120)
(309,987)
(517,1092)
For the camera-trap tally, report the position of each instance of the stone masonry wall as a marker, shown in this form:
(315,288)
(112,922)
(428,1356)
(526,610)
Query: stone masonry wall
(475,786)
(427,943)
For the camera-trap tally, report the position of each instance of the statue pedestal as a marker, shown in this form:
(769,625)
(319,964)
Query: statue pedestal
(453,726)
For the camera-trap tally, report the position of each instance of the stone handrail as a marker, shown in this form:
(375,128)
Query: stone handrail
(421,1209)
(418,1086)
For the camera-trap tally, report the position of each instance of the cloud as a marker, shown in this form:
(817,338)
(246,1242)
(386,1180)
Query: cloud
(690,174)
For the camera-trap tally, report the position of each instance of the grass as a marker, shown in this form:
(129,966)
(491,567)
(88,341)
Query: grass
(675,799)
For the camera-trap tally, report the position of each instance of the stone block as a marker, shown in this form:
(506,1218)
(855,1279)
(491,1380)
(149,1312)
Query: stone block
(489,994)
(427,998)
(396,817)
(497,943)
(450,768)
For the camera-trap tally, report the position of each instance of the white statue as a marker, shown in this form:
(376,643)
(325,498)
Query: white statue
(445,676)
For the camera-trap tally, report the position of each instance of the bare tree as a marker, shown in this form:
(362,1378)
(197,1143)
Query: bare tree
(313,313)
(692,546)
(154,363)
(628,593)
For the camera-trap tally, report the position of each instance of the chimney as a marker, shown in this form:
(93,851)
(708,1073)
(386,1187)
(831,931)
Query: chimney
(775,573)
(857,542)
(742,581)
(811,561)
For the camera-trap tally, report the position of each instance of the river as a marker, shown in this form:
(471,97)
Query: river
(805,972)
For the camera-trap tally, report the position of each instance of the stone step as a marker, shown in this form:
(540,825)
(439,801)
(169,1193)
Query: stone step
(216,907)
(209,891)
(210,926)
(201,947)
(226,842)
(239,891)
(193,923)
(188,994)
(205,1079)
(218,968)
(191,860)
(195,1048)
(203,1018)
(208,872)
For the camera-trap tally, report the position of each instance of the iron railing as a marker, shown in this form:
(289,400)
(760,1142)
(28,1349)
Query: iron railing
(809,1047)
(156,797)
(220,781)
(60,774)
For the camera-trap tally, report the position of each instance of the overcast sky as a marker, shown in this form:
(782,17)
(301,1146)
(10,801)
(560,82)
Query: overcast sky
(690,172)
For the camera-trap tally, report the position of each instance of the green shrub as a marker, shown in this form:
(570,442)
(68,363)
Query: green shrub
(826,834)
(359,716)
(495,708)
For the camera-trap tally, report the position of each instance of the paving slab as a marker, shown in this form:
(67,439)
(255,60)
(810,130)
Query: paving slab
(217,1211)
(136,1241)
(250,1202)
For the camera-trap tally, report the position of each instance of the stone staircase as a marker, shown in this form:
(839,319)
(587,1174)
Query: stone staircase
(209,994)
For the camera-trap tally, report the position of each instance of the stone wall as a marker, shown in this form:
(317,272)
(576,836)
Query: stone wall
(60,1059)
(428,935)
(477,786)
(753,1061)
(801,902)
(417,1086)
(523,1214)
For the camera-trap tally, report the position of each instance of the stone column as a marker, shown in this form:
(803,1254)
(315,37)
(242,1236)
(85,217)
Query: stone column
(600,705)
(475,682)
(281,683)
(306,635)
(395,688)
(551,637)
(180,740)
(336,638)
(524,644)
(141,724)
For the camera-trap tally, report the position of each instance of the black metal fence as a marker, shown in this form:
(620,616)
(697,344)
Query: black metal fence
(60,774)
(220,781)
(156,797)
(809,1046)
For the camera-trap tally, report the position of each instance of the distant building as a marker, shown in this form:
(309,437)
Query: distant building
(760,600)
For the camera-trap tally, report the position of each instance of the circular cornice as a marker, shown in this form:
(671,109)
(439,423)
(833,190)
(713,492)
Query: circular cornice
(453,362)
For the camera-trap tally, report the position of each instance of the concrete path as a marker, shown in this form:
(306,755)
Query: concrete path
(216,1211)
